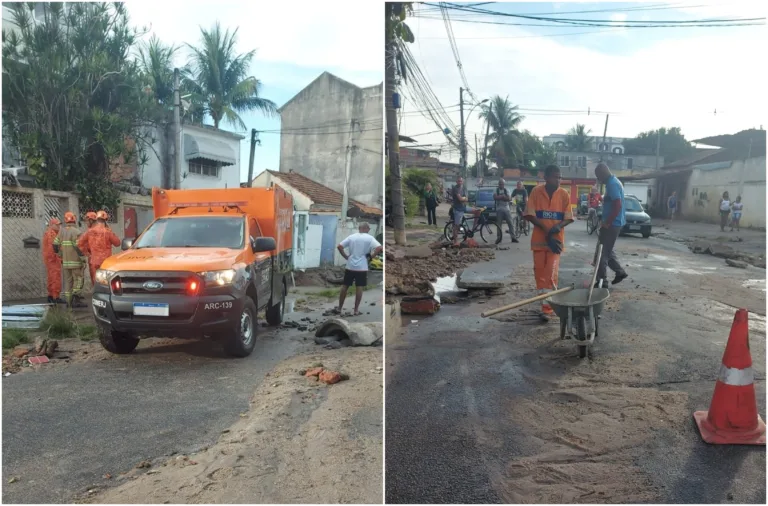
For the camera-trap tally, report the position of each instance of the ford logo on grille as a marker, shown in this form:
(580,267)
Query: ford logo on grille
(152,286)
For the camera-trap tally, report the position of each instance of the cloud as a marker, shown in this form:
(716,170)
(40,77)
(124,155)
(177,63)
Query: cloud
(658,81)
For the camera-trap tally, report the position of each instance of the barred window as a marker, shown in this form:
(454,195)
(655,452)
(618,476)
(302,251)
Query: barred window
(204,168)
(17,205)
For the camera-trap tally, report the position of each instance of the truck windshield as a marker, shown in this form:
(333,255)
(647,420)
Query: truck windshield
(194,232)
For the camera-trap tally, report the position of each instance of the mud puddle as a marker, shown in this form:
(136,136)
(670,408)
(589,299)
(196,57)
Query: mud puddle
(754,284)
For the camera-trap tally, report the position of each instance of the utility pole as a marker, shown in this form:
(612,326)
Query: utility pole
(487,133)
(658,147)
(605,132)
(254,141)
(347,170)
(477,159)
(176,131)
(462,142)
(396,189)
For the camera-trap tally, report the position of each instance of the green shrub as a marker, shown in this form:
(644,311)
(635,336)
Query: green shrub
(59,324)
(14,337)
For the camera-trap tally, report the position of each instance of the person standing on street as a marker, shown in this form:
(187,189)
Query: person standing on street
(65,245)
(549,211)
(52,262)
(613,222)
(672,205)
(431,201)
(359,245)
(737,207)
(725,210)
(502,198)
(90,221)
(459,195)
(98,241)
(520,197)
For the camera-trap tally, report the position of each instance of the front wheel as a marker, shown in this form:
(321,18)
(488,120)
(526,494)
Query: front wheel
(275,312)
(487,233)
(517,227)
(116,342)
(242,339)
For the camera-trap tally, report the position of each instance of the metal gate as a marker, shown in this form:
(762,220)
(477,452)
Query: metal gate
(23,270)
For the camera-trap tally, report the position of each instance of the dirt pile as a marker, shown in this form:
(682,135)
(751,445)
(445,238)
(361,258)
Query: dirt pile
(302,441)
(412,276)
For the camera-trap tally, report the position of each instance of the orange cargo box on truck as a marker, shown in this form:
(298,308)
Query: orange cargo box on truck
(204,267)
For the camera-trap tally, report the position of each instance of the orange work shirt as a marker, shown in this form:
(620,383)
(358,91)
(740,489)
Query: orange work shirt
(549,212)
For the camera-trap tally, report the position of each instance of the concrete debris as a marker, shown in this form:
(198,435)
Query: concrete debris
(360,334)
(736,263)
(425,305)
(726,252)
(415,276)
(20,351)
(473,279)
(325,375)
(419,252)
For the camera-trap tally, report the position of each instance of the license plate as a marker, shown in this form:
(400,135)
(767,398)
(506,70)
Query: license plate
(634,227)
(147,309)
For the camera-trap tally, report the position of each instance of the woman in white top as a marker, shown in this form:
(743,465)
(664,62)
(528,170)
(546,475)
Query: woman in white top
(737,208)
(725,210)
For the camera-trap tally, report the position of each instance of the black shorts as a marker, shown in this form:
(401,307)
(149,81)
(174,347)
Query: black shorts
(359,278)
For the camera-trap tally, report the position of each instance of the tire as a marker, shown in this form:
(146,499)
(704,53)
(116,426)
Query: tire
(116,342)
(646,235)
(276,311)
(516,227)
(526,227)
(448,231)
(563,328)
(488,230)
(235,343)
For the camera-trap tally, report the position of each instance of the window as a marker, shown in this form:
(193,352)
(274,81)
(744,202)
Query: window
(630,163)
(194,232)
(582,162)
(565,161)
(204,168)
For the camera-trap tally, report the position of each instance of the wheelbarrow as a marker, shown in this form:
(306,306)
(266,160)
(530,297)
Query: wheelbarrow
(578,309)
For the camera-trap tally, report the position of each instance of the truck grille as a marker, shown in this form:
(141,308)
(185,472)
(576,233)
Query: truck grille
(141,283)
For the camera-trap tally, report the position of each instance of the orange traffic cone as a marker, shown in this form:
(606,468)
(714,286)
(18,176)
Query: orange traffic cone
(732,417)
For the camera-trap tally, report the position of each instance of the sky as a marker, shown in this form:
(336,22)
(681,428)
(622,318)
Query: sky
(294,43)
(645,78)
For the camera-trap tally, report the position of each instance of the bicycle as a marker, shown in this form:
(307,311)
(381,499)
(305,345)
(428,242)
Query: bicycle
(520,226)
(593,220)
(480,223)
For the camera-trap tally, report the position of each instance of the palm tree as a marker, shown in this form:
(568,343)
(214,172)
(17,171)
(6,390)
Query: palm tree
(578,138)
(504,120)
(219,81)
(155,61)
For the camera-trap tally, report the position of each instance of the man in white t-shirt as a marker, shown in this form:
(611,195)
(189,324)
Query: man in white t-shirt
(359,246)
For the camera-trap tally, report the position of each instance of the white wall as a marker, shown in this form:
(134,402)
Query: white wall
(229,176)
(743,177)
(300,201)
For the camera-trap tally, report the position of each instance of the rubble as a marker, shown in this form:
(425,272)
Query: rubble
(470,279)
(360,334)
(728,253)
(736,263)
(426,305)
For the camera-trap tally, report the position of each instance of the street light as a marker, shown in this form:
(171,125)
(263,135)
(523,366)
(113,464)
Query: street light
(463,136)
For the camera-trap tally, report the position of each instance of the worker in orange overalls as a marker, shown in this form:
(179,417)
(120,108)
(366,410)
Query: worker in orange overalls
(90,221)
(52,262)
(98,241)
(549,210)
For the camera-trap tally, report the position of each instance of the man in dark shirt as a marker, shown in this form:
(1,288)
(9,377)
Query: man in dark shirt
(520,197)
(460,199)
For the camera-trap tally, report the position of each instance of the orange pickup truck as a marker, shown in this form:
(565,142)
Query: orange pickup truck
(207,264)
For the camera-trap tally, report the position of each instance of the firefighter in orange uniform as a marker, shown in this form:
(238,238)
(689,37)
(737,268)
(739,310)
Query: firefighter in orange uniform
(65,245)
(98,240)
(90,221)
(52,262)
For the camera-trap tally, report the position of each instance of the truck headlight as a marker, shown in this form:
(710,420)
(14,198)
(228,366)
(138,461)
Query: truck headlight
(103,276)
(218,278)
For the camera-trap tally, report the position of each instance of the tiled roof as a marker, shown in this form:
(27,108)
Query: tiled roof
(321,194)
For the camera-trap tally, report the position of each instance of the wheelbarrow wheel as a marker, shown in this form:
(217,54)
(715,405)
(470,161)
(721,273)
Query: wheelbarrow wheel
(581,328)
(563,328)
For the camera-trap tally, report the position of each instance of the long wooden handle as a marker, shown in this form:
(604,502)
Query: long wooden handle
(525,302)
(594,273)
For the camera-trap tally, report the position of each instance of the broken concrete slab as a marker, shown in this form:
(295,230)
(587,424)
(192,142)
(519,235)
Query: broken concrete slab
(361,334)
(736,263)
(722,251)
(480,278)
(419,252)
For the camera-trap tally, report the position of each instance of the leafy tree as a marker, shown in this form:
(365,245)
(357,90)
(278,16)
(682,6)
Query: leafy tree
(73,100)
(578,138)
(219,82)
(504,119)
(672,144)
(537,155)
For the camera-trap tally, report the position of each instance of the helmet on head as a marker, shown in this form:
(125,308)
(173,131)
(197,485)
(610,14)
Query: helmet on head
(102,215)
(69,217)
(90,215)
(54,221)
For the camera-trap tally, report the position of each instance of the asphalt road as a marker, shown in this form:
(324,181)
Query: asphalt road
(456,431)
(65,428)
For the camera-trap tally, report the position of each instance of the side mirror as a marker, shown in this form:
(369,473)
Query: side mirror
(263,244)
(126,244)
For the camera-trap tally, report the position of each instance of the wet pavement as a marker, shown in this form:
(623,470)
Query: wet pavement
(501,410)
(65,428)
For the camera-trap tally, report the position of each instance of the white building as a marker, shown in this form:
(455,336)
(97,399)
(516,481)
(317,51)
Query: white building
(610,145)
